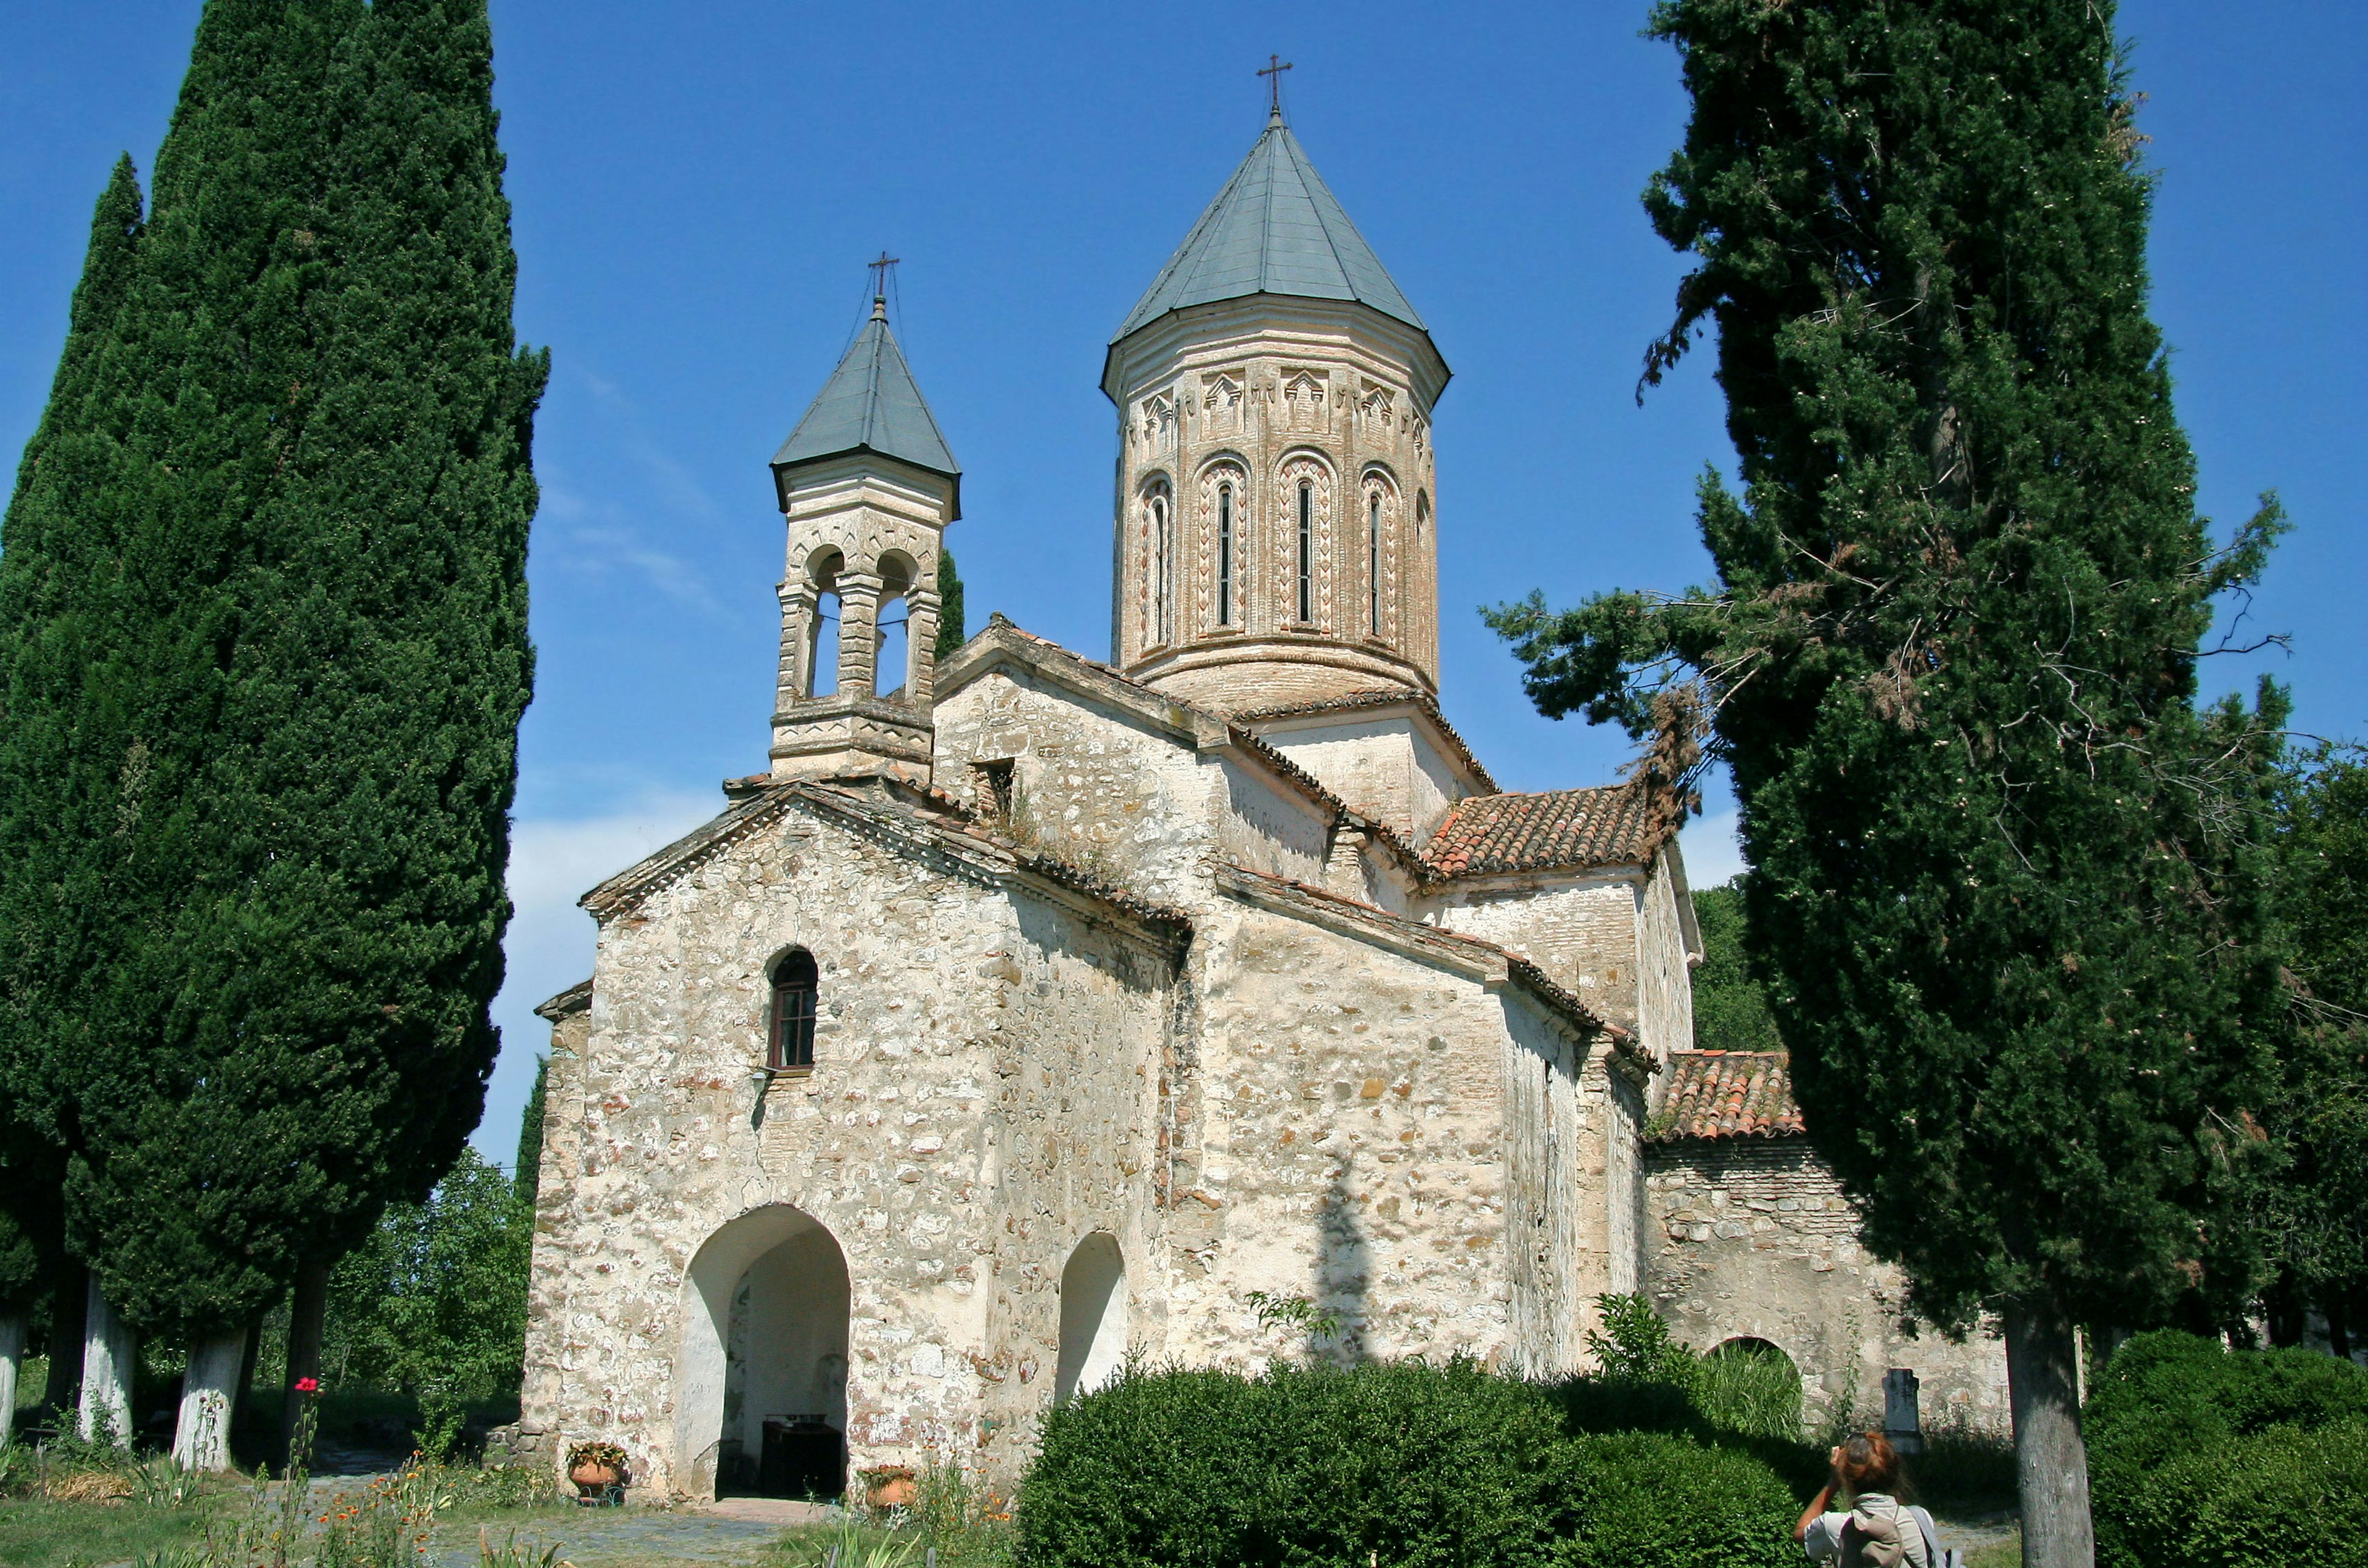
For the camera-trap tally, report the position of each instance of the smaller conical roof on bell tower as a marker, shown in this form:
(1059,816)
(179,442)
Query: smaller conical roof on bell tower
(1275,227)
(871,404)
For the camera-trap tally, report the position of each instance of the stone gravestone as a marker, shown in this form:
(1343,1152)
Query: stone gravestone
(1900,1421)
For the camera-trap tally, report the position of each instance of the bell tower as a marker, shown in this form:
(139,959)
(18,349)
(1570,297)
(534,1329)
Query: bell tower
(1275,538)
(867,486)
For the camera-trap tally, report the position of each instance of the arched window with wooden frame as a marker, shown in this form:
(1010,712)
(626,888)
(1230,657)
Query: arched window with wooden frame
(796,986)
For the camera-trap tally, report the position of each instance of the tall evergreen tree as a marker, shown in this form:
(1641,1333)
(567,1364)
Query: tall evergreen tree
(2005,876)
(528,1174)
(950,605)
(58,808)
(2318,1212)
(304,781)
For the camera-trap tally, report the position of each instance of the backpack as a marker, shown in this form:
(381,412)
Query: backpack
(1951,1558)
(1885,1548)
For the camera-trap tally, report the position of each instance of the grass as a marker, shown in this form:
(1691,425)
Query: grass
(38,1533)
(2005,1554)
(1752,1390)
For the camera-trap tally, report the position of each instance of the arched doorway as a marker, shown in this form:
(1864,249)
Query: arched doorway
(763,1371)
(1093,1317)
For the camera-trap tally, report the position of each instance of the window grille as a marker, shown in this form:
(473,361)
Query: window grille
(795,984)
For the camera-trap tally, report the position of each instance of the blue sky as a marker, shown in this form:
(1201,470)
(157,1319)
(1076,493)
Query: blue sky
(698,187)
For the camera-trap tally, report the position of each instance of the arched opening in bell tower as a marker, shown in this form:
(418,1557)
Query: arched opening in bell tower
(892,658)
(822,637)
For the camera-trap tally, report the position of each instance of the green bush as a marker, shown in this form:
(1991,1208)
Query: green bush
(2199,1454)
(2166,1394)
(2283,1498)
(1428,1467)
(1648,1497)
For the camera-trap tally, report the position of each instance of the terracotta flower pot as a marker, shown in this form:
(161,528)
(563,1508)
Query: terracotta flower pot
(590,1478)
(892,1488)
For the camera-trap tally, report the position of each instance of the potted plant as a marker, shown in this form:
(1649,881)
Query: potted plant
(598,1469)
(890,1486)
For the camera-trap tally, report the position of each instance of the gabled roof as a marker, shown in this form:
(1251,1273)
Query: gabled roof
(907,820)
(1274,229)
(1561,829)
(870,404)
(1377,697)
(1728,1094)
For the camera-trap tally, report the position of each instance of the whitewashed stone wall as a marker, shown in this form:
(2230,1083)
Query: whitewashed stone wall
(1752,1238)
(1581,928)
(1393,1139)
(984,1095)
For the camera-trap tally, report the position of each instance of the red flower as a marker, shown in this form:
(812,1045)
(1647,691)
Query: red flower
(308,1385)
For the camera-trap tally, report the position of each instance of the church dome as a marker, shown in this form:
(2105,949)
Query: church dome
(1275,227)
(1274,537)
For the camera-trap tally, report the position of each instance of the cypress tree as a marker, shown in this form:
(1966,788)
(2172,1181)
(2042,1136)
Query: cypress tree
(950,605)
(527,1176)
(55,595)
(2006,879)
(316,514)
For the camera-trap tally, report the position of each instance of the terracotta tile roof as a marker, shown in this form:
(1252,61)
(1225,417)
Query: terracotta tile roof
(1484,834)
(1728,1094)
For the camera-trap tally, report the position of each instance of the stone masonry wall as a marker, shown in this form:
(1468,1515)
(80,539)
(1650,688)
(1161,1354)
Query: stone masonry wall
(1142,808)
(1579,929)
(1665,982)
(954,1182)
(1753,1238)
(1368,1141)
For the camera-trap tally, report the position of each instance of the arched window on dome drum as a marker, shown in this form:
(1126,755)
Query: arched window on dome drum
(1373,563)
(796,983)
(1307,551)
(1162,572)
(1224,555)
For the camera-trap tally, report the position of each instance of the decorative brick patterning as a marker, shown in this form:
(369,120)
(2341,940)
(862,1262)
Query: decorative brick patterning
(1729,1093)
(1561,828)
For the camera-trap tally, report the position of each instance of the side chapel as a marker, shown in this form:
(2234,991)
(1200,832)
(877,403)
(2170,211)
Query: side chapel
(1032,1012)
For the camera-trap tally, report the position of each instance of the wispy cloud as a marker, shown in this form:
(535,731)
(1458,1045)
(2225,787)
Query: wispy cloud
(600,526)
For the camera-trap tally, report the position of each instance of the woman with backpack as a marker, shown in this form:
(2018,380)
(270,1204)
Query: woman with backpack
(1878,1532)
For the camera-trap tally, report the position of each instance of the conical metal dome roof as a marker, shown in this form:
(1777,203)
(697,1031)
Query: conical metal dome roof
(1274,229)
(871,403)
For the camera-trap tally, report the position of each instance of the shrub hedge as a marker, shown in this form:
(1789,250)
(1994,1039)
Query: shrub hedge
(1406,1463)
(2199,1454)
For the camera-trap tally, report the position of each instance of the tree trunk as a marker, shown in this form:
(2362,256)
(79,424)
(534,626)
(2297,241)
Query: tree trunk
(201,1434)
(108,1369)
(2051,1462)
(66,1312)
(242,1409)
(306,1309)
(12,1366)
(2338,1323)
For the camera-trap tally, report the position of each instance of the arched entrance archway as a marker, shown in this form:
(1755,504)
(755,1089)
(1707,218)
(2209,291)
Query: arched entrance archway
(762,1375)
(1093,1317)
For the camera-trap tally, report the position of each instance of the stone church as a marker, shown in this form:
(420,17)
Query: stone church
(1032,1012)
